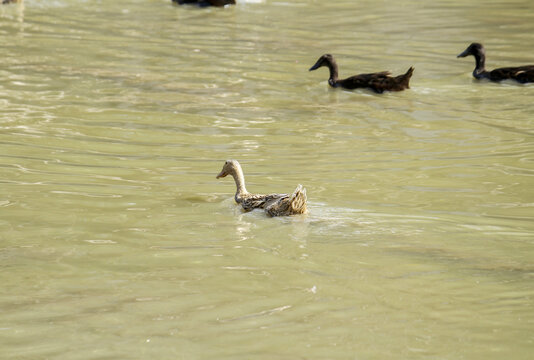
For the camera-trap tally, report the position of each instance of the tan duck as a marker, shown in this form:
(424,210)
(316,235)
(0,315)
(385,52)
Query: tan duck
(273,204)
(378,82)
(522,74)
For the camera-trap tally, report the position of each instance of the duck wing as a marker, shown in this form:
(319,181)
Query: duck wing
(389,83)
(289,205)
(257,201)
(362,80)
(522,74)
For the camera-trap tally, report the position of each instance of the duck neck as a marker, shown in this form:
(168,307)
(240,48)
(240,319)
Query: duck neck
(480,68)
(239,179)
(332,66)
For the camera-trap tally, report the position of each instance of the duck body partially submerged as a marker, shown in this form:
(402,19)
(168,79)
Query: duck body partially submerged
(204,3)
(378,82)
(273,204)
(523,74)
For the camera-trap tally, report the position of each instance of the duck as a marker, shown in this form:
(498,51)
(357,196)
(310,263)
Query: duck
(378,82)
(522,74)
(204,3)
(273,204)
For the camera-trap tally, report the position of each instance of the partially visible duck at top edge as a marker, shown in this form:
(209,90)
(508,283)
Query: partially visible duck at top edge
(522,74)
(378,82)
(204,3)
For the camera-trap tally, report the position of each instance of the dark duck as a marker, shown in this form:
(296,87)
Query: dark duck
(204,3)
(378,82)
(522,74)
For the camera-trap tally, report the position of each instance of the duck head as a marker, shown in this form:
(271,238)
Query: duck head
(328,61)
(475,49)
(324,60)
(232,167)
(229,168)
(478,51)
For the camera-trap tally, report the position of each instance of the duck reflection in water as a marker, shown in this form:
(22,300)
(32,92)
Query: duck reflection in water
(204,3)
(522,74)
(378,82)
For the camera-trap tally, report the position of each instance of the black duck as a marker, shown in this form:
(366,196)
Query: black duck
(522,74)
(378,82)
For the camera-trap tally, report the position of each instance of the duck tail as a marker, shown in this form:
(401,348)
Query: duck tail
(407,76)
(298,200)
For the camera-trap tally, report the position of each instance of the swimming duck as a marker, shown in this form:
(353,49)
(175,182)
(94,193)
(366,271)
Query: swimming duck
(378,82)
(204,3)
(273,204)
(522,74)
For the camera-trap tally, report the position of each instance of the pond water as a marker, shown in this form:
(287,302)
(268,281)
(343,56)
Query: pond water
(117,241)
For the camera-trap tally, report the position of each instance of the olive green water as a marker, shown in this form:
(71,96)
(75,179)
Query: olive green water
(117,241)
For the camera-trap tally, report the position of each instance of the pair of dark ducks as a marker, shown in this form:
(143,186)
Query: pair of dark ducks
(382,81)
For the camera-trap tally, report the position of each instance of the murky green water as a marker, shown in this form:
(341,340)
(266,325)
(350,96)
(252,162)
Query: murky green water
(117,241)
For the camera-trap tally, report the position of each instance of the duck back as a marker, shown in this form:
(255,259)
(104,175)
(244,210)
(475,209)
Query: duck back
(289,205)
(522,74)
(397,83)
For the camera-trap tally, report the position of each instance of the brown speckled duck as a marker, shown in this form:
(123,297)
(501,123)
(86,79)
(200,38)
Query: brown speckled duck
(378,82)
(522,74)
(273,204)
(204,3)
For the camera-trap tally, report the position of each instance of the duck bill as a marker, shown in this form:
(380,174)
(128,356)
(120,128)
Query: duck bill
(317,65)
(464,54)
(221,174)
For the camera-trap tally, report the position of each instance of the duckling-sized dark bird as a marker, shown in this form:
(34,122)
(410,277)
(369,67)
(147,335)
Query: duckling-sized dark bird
(204,3)
(522,74)
(378,82)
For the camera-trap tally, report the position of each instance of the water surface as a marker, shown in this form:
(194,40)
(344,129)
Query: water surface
(117,241)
